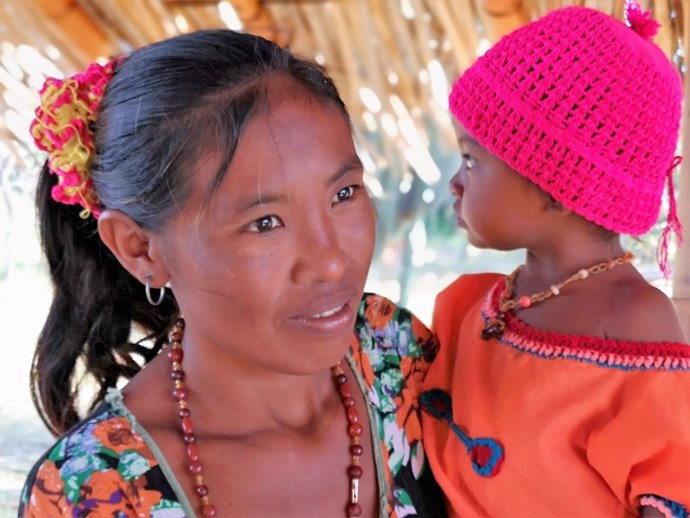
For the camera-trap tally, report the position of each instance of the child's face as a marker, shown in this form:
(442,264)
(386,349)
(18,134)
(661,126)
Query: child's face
(272,269)
(499,208)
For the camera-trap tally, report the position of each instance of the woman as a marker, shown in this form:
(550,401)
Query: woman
(221,166)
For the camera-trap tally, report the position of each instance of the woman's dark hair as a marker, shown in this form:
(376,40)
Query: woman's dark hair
(166,104)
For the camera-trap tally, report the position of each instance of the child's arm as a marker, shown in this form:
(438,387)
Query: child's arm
(650,512)
(652,318)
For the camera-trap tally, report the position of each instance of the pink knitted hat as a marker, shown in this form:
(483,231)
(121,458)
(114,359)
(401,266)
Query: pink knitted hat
(585,107)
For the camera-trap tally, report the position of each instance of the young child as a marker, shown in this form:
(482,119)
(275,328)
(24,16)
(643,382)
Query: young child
(563,389)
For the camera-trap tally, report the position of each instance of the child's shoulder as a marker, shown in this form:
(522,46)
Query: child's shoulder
(467,287)
(469,282)
(642,313)
(457,299)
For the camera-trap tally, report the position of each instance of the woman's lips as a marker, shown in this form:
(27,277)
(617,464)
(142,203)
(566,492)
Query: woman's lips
(333,319)
(329,313)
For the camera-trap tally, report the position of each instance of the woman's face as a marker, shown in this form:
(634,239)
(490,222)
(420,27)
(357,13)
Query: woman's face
(271,270)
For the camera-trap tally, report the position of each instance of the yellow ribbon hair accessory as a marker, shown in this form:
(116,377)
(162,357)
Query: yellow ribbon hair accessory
(62,127)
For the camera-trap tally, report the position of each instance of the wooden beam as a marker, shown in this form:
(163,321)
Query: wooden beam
(502,17)
(257,19)
(76,28)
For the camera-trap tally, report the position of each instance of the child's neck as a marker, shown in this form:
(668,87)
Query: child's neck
(558,262)
(583,307)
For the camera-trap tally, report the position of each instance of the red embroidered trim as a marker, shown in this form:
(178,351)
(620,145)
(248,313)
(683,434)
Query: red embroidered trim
(605,352)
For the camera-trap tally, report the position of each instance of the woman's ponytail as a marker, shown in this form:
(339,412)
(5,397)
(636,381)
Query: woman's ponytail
(95,303)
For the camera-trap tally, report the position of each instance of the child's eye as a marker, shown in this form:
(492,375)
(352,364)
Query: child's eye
(265,224)
(468,161)
(345,193)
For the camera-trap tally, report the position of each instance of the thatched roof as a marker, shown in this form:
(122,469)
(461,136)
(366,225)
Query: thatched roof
(391,59)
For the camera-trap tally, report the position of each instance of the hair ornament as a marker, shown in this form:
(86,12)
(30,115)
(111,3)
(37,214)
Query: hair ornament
(62,128)
(640,21)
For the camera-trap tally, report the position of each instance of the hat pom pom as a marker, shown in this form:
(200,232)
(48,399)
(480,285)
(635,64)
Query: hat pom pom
(640,21)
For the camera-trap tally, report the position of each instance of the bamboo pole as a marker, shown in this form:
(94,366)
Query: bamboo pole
(393,57)
(461,36)
(681,275)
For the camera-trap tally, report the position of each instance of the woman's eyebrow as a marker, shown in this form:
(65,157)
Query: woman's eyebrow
(250,202)
(352,163)
(260,199)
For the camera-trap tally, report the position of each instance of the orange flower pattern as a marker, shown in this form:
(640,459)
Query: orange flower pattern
(101,468)
(51,495)
(393,351)
(105,468)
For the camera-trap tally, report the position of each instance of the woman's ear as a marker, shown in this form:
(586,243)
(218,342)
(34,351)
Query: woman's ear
(133,246)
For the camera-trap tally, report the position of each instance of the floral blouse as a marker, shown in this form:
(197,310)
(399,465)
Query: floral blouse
(108,465)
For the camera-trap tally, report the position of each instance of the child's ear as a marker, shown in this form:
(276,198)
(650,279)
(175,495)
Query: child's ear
(135,248)
(553,205)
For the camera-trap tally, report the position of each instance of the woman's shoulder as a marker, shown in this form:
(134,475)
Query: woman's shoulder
(384,325)
(392,351)
(102,465)
(104,430)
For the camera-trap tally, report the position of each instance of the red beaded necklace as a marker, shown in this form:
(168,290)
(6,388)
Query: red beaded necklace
(180,394)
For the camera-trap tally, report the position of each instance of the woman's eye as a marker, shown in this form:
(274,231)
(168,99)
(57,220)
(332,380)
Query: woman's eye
(467,161)
(345,193)
(265,224)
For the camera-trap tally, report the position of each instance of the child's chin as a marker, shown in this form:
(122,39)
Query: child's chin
(483,244)
(477,243)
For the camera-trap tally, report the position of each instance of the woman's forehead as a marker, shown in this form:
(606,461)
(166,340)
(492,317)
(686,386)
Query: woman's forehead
(295,134)
(280,88)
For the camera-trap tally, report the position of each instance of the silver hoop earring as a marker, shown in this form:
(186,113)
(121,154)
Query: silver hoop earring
(147,289)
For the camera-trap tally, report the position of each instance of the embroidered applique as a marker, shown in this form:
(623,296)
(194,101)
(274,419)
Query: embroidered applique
(486,454)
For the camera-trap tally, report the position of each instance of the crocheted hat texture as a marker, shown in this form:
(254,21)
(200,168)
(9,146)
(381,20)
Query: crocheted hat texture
(585,107)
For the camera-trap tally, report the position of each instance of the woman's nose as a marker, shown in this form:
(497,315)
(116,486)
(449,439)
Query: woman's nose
(320,259)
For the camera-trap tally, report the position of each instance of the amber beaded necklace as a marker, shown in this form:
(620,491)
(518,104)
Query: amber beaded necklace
(495,326)
(354,428)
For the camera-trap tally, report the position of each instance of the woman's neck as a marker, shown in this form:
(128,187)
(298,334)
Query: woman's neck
(266,400)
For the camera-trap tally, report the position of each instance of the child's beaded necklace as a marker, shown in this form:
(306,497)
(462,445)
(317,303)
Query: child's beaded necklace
(508,303)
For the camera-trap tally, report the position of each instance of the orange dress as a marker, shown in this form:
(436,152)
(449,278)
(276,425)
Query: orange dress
(542,424)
